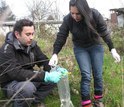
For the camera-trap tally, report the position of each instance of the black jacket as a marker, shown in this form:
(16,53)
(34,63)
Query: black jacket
(17,61)
(80,35)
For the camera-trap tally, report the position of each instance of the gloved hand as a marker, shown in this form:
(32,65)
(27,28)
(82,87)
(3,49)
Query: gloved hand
(52,77)
(115,55)
(63,71)
(54,60)
(36,71)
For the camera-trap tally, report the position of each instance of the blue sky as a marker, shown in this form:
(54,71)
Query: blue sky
(19,6)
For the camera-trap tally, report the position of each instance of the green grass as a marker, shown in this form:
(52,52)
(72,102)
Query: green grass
(112,82)
(112,76)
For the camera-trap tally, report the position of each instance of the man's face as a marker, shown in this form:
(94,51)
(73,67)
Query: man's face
(26,36)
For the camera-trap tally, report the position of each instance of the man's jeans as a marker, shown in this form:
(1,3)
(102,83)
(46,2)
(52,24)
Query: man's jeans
(90,61)
(37,90)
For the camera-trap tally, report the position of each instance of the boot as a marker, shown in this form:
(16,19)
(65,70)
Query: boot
(98,103)
(41,105)
(88,105)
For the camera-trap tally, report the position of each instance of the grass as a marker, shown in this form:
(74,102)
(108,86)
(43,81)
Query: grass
(112,76)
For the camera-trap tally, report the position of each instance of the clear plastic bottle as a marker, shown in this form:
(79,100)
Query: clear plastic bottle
(64,90)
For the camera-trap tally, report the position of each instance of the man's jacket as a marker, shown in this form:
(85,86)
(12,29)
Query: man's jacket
(17,61)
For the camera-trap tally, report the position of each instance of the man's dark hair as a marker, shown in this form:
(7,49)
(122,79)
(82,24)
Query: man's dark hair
(21,23)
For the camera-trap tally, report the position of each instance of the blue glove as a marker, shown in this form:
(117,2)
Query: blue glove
(63,71)
(52,77)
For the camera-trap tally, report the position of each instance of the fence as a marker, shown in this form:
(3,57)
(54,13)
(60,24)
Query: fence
(7,26)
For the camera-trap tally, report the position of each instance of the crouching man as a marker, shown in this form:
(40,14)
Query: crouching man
(18,56)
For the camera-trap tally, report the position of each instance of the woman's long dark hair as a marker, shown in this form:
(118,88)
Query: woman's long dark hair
(85,12)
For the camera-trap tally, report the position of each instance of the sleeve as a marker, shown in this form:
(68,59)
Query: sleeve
(102,29)
(42,59)
(61,36)
(14,69)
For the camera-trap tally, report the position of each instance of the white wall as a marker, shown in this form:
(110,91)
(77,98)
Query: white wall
(120,19)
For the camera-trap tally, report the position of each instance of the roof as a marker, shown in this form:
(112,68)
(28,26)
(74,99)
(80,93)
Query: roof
(119,10)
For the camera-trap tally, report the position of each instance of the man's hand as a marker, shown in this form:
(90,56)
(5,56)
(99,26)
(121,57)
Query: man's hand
(63,71)
(52,76)
(115,55)
(54,60)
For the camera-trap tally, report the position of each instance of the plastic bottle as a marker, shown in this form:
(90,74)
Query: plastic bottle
(64,90)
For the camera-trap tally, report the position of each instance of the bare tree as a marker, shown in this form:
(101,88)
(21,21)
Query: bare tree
(5,12)
(41,9)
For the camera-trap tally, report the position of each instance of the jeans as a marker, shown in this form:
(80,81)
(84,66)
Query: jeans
(36,90)
(90,61)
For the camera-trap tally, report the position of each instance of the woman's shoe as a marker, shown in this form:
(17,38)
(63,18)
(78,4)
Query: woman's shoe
(98,103)
(41,105)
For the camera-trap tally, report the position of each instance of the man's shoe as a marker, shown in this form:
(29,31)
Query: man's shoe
(98,103)
(41,105)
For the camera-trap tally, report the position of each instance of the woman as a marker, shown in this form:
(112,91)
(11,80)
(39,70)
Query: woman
(87,26)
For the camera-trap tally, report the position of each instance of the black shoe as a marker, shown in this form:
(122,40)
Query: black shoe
(41,105)
(98,103)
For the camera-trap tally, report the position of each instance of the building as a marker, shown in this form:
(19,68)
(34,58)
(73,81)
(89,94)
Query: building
(117,17)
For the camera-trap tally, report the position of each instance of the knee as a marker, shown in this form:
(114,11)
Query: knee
(86,77)
(29,89)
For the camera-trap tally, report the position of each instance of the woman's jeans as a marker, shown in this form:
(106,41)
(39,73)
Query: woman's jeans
(27,90)
(90,61)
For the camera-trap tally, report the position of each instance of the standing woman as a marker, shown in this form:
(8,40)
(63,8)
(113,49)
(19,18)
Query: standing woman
(87,26)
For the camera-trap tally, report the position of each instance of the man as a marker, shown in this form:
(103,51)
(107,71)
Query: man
(18,55)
